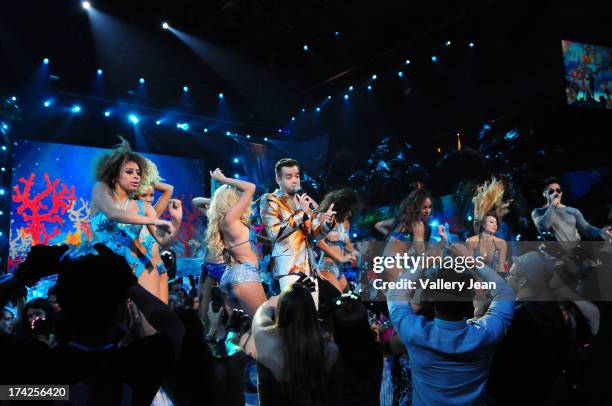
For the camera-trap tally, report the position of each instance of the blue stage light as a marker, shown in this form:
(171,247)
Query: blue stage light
(76,108)
(434,223)
(305,48)
(434,58)
(318,109)
(141,80)
(292,118)
(86,5)
(448,43)
(512,135)
(158,122)
(46,61)
(205,130)
(328,97)
(236,176)
(4,148)
(99,72)
(183,126)
(14,98)
(400,74)
(471,45)
(107,113)
(374,77)
(185,89)
(47,103)
(236,160)
(228,133)
(248,136)
(369,87)
(346,97)
(337,33)
(407,62)
(2,191)
(165,25)
(303,110)
(266,139)
(133,118)
(469,218)
(351,88)
(221,95)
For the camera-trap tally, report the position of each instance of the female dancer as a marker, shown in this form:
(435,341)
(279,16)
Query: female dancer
(386,226)
(146,193)
(336,245)
(117,218)
(489,208)
(212,268)
(412,223)
(229,234)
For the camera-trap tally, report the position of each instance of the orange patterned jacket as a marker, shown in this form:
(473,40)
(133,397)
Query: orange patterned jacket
(292,233)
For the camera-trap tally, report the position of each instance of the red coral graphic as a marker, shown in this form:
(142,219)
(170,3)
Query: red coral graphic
(87,229)
(32,209)
(192,219)
(13,263)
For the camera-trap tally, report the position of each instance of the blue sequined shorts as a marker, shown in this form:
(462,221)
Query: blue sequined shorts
(213,270)
(138,268)
(237,274)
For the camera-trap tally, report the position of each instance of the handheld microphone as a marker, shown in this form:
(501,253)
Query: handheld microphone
(299,192)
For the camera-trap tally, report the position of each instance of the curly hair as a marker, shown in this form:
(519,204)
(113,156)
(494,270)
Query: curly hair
(224,198)
(108,166)
(489,201)
(149,177)
(345,201)
(409,210)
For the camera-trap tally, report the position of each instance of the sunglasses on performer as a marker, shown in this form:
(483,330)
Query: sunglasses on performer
(558,190)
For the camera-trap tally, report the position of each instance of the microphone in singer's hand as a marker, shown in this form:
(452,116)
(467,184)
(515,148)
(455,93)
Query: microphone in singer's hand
(299,192)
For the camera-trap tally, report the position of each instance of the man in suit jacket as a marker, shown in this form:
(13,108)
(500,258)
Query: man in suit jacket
(291,222)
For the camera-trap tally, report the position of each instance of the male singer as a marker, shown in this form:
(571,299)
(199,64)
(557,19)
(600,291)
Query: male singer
(290,218)
(563,222)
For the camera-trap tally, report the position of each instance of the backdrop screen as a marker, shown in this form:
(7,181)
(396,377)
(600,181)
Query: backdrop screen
(588,74)
(51,196)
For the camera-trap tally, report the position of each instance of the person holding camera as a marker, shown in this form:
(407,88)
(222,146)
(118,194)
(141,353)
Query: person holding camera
(96,366)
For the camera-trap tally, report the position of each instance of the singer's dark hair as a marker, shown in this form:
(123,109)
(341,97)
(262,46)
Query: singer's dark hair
(549,181)
(285,162)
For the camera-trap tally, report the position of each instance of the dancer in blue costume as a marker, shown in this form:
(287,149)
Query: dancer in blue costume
(117,217)
(148,185)
(412,223)
(212,268)
(338,252)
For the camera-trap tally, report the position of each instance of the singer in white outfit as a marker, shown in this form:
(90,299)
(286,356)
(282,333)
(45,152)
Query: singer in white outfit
(291,222)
